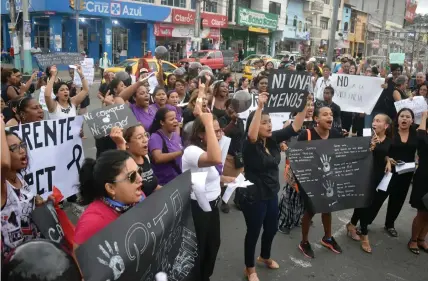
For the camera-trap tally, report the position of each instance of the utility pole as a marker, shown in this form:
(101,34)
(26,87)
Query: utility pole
(383,30)
(332,37)
(13,36)
(77,9)
(26,33)
(197,23)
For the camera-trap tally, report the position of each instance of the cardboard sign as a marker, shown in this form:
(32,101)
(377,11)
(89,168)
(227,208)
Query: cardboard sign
(397,58)
(355,93)
(47,222)
(55,154)
(286,91)
(417,104)
(100,121)
(334,174)
(88,72)
(42,99)
(59,58)
(155,235)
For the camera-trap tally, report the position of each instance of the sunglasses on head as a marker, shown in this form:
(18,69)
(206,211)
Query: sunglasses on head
(132,176)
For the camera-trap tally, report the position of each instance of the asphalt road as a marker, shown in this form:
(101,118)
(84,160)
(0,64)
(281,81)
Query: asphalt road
(390,260)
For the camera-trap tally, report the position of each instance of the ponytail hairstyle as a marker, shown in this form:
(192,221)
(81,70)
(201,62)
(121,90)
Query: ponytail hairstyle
(389,132)
(95,174)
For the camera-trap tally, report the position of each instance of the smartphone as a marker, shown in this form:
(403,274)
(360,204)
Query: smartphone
(39,74)
(399,163)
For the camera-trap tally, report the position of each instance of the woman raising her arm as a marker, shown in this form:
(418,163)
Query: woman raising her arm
(259,202)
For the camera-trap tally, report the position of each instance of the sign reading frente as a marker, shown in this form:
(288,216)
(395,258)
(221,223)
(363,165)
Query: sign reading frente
(100,121)
(334,174)
(156,235)
(55,154)
(248,17)
(356,93)
(288,90)
(58,58)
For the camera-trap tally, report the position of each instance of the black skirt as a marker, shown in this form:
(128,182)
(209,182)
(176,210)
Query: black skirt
(419,188)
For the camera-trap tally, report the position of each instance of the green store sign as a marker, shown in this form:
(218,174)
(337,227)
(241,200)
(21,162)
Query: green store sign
(257,19)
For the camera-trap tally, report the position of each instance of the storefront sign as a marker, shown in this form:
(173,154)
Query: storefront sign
(257,19)
(214,20)
(168,30)
(183,16)
(411,6)
(258,29)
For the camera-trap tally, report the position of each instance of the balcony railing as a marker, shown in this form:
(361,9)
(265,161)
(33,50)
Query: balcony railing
(314,6)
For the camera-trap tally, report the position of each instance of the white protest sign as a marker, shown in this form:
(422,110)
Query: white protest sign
(42,100)
(355,93)
(55,154)
(417,104)
(88,72)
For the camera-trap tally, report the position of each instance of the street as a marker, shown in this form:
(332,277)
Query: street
(390,260)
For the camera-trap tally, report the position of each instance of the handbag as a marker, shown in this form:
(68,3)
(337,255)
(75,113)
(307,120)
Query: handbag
(239,160)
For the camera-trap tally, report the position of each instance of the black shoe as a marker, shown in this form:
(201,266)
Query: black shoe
(225,207)
(391,231)
(306,249)
(284,230)
(332,245)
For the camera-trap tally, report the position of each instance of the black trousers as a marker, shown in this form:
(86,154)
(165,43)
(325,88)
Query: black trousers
(361,215)
(397,192)
(358,124)
(207,228)
(346,118)
(257,214)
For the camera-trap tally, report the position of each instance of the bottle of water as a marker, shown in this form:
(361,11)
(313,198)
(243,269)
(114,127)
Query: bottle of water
(161,276)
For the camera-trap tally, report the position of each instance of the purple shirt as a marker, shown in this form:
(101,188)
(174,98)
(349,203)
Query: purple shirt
(167,171)
(144,117)
(179,113)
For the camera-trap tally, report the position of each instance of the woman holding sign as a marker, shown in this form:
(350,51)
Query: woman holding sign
(259,202)
(323,131)
(419,196)
(111,185)
(63,106)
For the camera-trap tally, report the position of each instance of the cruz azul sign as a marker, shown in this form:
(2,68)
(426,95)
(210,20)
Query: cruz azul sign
(253,18)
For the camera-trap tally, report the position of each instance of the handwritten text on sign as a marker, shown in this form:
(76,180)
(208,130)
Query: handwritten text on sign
(355,93)
(101,121)
(330,172)
(155,235)
(417,104)
(55,154)
(288,91)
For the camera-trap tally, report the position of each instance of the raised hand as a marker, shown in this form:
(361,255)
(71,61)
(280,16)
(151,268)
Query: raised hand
(79,70)
(116,135)
(53,71)
(263,97)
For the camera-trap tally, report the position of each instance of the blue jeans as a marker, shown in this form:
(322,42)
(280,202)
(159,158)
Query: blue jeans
(257,214)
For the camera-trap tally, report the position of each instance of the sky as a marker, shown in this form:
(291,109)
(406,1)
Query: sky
(422,7)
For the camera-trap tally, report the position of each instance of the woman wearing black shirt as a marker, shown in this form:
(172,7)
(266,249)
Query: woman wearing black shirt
(135,140)
(323,131)
(419,191)
(233,127)
(380,145)
(403,148)
(259,202)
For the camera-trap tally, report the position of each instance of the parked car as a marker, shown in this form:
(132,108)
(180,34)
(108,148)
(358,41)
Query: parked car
(168,67)
(216,59)
(293,55)
(249,69)
(245,61)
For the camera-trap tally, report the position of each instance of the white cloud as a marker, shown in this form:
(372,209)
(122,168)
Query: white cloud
(422,7)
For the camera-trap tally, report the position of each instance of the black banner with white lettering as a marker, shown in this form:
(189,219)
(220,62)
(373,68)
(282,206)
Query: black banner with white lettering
(334,174)
(156,235)
(59,58)
(100,121)
(288,90)
(46,220)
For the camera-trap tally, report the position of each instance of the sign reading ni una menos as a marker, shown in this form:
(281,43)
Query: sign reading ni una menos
(249,17)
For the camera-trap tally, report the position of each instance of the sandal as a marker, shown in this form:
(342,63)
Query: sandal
(365,244)
(352,232)
(251,277)
(422,247)
(270,263)
(391,231)
(413,250)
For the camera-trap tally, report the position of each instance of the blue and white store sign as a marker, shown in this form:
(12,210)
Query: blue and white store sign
(103,8)
(296,26)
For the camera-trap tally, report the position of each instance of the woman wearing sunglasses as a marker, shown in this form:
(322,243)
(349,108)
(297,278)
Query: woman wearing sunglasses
(111,185)
(135,140)
(17,200)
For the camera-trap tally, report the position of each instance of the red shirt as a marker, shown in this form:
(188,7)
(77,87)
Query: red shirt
(97,216)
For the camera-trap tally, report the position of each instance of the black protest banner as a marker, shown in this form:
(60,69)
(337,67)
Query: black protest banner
(45,60)
(100,121)
(156,235)
(334,174)
(46,220)
(288,90)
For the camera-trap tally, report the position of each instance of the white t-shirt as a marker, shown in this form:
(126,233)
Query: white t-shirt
(190,162)
(16,224)
(61,113)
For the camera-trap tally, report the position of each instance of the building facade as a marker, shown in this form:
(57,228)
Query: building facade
(125,28)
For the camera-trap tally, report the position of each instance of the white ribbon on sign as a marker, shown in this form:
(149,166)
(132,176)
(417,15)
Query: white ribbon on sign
(240,181)
(355,93)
